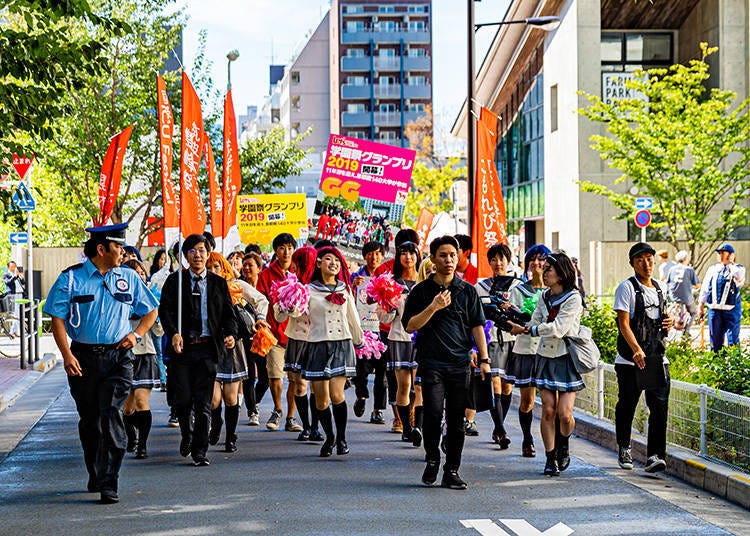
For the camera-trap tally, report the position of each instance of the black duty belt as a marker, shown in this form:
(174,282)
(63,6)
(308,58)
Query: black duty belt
(94,348)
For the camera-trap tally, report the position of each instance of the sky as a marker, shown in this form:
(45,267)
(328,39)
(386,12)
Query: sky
(271,31)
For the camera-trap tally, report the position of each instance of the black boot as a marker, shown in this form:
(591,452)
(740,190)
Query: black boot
(404,414)
(551,468)
(304,415)
(231,415)
(325,421)
(562,446)
(340,415)
(143,420)
(315,434)
(216,423)
(416,432)
(527,447)
(130,431)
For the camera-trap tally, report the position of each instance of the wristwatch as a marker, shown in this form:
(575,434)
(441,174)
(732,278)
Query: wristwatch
(485,360)
(138,338)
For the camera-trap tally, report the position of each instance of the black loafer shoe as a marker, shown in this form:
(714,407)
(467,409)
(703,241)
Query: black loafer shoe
(230,446)
(342,448)
(563,458)
(551,468)
(92,486)
(132,444)
(141,453)
(451,480)
(108,496)
(304,435)
(430,474)
(185,447)
(326,451)
(416,437)
(316,436)
(359,407)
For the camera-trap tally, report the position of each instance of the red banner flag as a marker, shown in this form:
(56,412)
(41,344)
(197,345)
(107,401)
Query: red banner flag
(192,211)
(166,132)
(232,177)
(489,220)
(111,174)
(424,224)
(214,192)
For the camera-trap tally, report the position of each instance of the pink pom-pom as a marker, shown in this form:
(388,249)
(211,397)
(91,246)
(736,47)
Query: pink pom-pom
(372,347)
(385,291)
(292,296)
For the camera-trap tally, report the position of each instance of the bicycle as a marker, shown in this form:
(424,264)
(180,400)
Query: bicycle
(10,344)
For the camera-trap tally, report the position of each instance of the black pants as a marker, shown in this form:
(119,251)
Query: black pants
(192,378)
(444,387)
(99,395)
(256,370)
(657,401)
(365,367)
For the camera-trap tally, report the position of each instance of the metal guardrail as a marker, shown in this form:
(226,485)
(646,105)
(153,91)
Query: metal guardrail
(713,423)
(31,317)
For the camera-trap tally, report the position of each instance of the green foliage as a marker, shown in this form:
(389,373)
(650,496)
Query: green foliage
(601,318)
(686,147)
(266,161)
(355,206)
(430,187)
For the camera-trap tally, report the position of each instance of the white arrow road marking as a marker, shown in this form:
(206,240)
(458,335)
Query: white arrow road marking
(485,527)
(524,528)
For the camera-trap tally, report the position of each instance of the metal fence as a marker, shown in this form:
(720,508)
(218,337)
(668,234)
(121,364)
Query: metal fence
(713,423)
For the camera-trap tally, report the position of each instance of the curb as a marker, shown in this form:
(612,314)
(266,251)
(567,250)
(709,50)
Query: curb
(40,368)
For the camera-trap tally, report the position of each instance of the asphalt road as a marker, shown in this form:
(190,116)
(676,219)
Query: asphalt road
(276,485)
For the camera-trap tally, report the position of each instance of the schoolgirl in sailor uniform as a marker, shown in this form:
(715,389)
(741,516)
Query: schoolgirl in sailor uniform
(136,410)
(334,326)
(557,314)
(402,357)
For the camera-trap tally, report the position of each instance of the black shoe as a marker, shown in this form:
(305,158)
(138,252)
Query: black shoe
(359,407)
(201,461)
(551,468)
(452,480)
(213,437)
(108,496)
(341,447)
(92,485)
(316,436)
(430,474)
(502,440)
(132,444)
(528,450)
(185,447)
(304,435)
(326,451)
(563,458)
(406,436)
(416,437)
(141,453)
(230,446)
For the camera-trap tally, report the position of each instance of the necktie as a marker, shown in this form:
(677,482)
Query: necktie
(196,324)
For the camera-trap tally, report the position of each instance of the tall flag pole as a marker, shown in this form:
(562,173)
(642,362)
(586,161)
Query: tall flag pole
(169,200)
(192,211)
(111,174)
(232,177)
(215,195)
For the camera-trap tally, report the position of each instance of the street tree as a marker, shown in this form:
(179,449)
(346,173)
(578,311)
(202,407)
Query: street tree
(683,145)
(430,187)
(266,161)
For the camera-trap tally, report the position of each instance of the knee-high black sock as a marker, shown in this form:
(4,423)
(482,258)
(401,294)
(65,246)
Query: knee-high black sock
(303,411)
(497,416)
(505,403)
(314,413)
(339,415)
(418,416)
(143,420)
(231,416)
(404,414)
(130,428)
(525,420)
(326,422)
(216,423)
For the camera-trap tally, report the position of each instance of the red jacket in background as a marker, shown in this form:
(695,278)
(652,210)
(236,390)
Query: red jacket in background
(265,280)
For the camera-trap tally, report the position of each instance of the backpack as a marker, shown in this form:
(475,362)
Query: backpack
(648,331)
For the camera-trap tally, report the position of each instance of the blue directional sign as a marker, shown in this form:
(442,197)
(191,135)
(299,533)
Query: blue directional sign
(644,203)
(19,238)
(22,198)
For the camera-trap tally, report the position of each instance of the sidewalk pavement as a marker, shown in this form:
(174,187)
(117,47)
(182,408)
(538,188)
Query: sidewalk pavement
(15,381)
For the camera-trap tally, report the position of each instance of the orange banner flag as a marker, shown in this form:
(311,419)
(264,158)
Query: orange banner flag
(214,192)
(232,176)
(192,211)
(424,224)
(489,222)
(111,174)
(169,199)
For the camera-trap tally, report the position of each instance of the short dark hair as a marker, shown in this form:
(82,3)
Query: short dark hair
(234,254)
(564,268)
(192,241)
(445,240)
(253,248)
(323,243)
(283,239)
(499,249)
(398,268)
(372,245)
(405,235)
(255,257)
(464,242)
(210,241)
(89,247)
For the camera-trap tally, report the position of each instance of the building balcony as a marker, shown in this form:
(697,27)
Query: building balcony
(417,92)
(361,63)
(387,64)
(349,91)
(356,119)
(349,38)
(388,91)
(393,119)
(398,142)
(417,63)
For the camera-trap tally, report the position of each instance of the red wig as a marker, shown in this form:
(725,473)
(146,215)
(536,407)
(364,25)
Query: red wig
(344,275)
(304,261)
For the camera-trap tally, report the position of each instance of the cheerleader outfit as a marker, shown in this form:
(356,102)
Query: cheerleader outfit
(519,370)
(400,346)
(333,329)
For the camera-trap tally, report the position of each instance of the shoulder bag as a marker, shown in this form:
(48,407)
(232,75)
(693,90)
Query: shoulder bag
(583,350)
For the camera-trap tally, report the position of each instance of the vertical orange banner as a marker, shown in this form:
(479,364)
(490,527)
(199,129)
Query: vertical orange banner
(489,222)
(169,199)
(424,224)
(111,174)
(214,192)
(232,176)
(192,211)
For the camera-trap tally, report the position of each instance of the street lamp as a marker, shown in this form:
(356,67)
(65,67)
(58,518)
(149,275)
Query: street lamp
(546,23)
(231,56)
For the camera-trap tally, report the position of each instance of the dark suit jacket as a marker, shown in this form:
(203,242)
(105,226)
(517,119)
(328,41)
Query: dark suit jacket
(221,316)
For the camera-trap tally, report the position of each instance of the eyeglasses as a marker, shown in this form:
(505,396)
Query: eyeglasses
(198,251)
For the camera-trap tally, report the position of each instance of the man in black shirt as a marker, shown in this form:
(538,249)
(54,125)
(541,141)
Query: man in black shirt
(447,314)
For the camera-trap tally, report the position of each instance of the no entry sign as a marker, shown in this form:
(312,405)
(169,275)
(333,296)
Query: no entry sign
(642,218)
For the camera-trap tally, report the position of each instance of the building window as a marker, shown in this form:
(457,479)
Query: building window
(627,51)
(385,26)
(294,130)
(296,102)
(417,81)
(357,134)
(353,9)
(387,135)
(355,26)
(417,52)
(295,77)
(419,107)
(386,9)
(416,26)
(387,53)
(356,53)
(354,108)
(357,80)
(387,80)
(417,9)
(553,108)
(387,108)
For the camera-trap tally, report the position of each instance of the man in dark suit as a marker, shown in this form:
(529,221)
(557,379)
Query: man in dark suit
(208,326)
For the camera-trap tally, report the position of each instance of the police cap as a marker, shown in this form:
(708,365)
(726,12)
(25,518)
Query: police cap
(108,233)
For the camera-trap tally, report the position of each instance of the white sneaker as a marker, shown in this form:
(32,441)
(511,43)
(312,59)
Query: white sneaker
(654,464)
(625,459)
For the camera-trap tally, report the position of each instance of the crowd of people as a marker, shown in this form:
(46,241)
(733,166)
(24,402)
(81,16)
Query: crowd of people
(226,335)
(351,229)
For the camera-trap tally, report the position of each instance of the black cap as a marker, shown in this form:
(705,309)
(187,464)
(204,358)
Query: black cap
(640,247)
(108,233)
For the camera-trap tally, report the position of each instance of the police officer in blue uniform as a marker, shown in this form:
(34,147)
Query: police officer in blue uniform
(92,303)
(720,292)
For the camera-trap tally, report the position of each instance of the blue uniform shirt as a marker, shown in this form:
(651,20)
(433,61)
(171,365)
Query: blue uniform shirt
(96,308)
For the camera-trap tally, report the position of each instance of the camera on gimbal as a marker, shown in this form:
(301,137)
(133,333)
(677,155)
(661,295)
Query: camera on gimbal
(491,305)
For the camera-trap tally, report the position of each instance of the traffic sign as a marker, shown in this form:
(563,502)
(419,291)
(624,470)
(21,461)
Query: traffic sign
(22,198)
(644,203)
(19,238)
(22,164)
(642,218)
